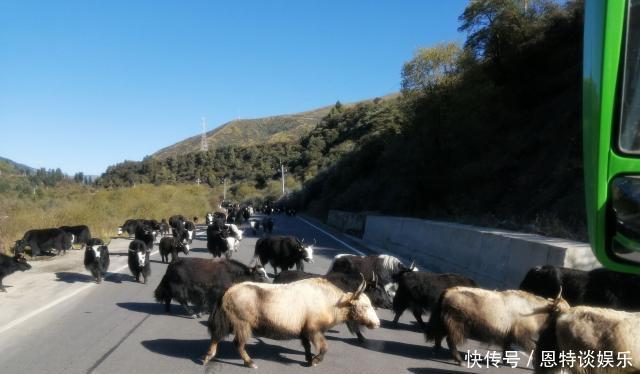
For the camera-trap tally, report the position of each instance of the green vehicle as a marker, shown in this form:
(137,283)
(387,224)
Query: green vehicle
(611,131)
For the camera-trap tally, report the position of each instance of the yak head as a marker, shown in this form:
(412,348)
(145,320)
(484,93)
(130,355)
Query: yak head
(258,273)
(183,247)
(19,247)
(21,262)
(360,308)
(377,294)
(305,250)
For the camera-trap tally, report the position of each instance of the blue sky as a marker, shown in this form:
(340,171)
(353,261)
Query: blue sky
(86,84)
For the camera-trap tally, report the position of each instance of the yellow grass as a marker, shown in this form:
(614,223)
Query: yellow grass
(102,210)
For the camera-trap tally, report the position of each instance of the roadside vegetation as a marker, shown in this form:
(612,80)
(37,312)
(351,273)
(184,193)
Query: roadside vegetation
(103,210)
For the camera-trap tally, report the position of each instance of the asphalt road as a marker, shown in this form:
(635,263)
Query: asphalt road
(117,327)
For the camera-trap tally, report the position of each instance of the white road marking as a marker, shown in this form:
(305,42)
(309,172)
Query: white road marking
(28,316)
(332,236)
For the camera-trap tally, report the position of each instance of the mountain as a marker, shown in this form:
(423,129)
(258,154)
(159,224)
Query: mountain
(245,132)
(16,165)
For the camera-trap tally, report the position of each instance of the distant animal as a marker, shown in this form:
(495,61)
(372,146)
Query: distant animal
(419,291)
(176,221)
(195,219)
(9,265)
(146,236)
(385,267)
(267,225)
(96,260)
(171,246)
(245,214)
(498,317)
(599,287)
(345,282)
(164,228)
(139,260)
(81,234)
(299,310)
(45,240)
(191,229)
(282,252)
(589,329)
(202,282)
(130,226)
(255,226)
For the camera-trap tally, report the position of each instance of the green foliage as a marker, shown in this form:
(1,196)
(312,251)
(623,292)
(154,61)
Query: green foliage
(431,67)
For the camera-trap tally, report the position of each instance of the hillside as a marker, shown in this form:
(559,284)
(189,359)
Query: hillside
(15,165)
(273,129)
(284,128)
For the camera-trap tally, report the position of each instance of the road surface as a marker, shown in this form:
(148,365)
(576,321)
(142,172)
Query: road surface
(75,326)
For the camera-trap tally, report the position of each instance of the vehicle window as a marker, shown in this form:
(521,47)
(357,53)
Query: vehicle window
(629,140)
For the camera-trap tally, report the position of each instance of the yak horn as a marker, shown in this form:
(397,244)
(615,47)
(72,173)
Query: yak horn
(361,287)
(413,263)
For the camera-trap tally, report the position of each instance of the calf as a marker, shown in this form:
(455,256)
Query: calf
(300,310)
(171,246)
(584,329)
(598,287)
(420,291)
(81,234)
(96,260)
(202,282)
(384,267)
(496,317)
(9,265)
(139,260)
(345,282)
(282,252)
(191,229)
(45,240)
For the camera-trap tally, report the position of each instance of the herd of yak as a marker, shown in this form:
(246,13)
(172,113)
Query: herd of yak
(555,310)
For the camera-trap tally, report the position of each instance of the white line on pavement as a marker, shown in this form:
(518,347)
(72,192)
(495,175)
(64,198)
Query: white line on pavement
(28,316)
(332,236)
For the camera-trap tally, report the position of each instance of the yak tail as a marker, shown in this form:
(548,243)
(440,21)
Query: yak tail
(547,341)
(163,291)
(435,327)
(219,325)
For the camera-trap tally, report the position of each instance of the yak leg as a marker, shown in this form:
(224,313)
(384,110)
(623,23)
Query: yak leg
(186,306)
(418,316)
(211,352)
(454,350)
(307,348)
(2,288)
(320,343)
(243,353)
(396,318)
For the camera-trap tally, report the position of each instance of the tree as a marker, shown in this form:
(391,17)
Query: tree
(430,67)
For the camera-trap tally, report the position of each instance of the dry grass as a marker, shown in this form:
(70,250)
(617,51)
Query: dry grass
(102,210)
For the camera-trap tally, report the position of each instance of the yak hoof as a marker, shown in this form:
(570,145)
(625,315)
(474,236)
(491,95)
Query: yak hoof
(194,316)
(251,364)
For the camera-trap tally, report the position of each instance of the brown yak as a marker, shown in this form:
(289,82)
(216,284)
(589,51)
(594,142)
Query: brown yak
(304,309)
(497,317)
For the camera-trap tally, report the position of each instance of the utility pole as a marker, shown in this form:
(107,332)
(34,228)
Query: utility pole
(282,175)
(224,191)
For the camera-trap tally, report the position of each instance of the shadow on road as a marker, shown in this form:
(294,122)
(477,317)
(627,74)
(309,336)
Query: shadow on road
(434,371)
(194,350)
(414,351)
(401,326)
(155,309)
(68,277)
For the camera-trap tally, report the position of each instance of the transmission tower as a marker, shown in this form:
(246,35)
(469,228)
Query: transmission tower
(204,146)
